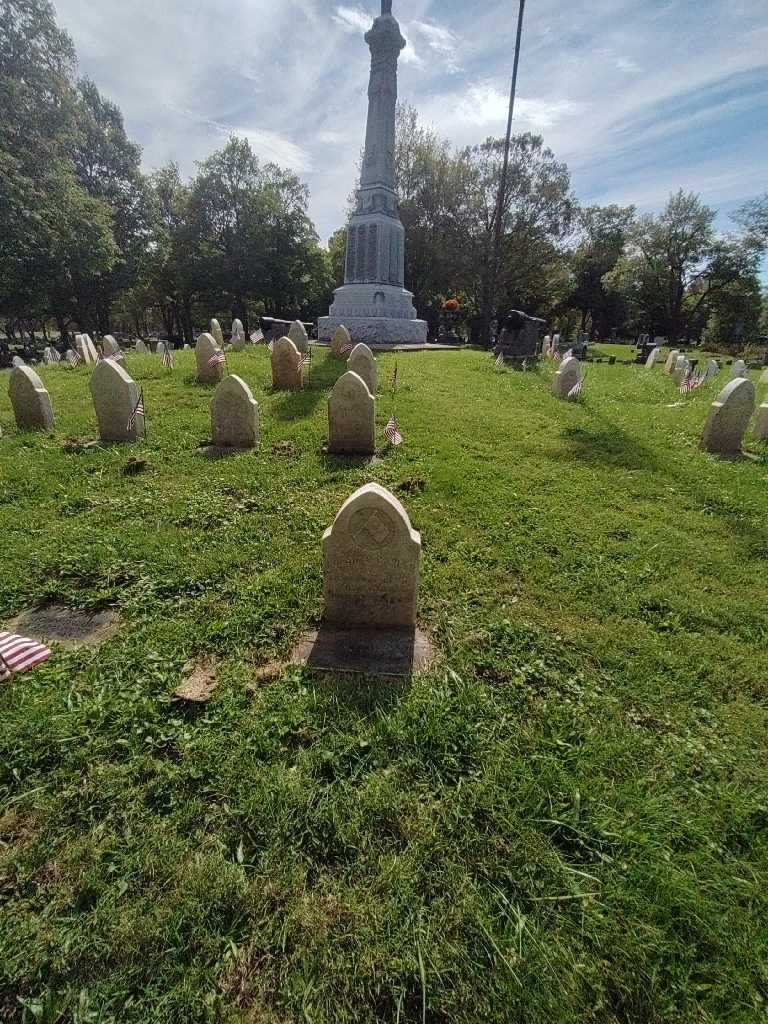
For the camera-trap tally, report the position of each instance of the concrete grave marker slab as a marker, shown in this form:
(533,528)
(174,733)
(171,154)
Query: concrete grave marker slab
(287,366)
(371,562)
(351,417)
(31,402)
(728,417)
(669,366)
(115,396)
(362,362)
(234,415)
(299,337)
(69,627)
(206,350)
(341,340)
(738,369)
(217,333)
(567,377)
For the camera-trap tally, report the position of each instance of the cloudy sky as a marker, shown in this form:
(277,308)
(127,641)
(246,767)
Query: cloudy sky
(639,97)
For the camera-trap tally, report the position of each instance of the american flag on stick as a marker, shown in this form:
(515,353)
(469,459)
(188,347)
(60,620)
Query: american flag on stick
(393,379)
(55,356)
(688,384)
(271,346)
(168,359)
(217,359)
(344,352)
(138,411)
(499,361)
(556,355)
(575,393)
(74,358)
(391,432)
(19,654)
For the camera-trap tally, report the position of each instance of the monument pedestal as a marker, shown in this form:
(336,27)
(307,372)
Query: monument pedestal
(377,314)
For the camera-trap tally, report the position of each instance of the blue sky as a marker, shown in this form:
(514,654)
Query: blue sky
(639,98)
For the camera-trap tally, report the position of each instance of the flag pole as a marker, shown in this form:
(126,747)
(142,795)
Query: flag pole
(502,196)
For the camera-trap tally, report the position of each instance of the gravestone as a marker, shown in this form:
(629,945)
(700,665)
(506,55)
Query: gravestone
(341,340)
(351,417)
(287,366)
(761,423)
(110,346)
(115,397)
(17,361)
(31,402)
(728,417)
(87,349)
(362,362)
(567,377)
(298,336)
(205,350)
(239,340)
(518,336)
(546,344)
(681,369)
(711,369)
(50,355)
(216,331)
(652,358)
(161,349)
(738,369)
(371,563)
(669,366)
(141,348)
(234,415)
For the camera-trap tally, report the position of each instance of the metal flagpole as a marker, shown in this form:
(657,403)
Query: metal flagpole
(505,170)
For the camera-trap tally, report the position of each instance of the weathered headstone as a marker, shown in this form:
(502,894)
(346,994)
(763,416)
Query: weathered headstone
(728,417)
(298,336)
(287,366)
(110,346)
(371,563)
(567,377)
(115,397)
(217,333)
(764,377)
(738,369)
(50,355)
(669,366)
(87,349)
(239,341)
(711,369)
(681,369)
(210,365)
(761,422)
(31,402)
(546,345)
(141,348)
(161,349)
(234,415)
(17,361)
(653,357)
(351,417)
(341,341)
(362,362)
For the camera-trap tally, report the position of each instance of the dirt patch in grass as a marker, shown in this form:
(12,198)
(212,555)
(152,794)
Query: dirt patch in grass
(71,627)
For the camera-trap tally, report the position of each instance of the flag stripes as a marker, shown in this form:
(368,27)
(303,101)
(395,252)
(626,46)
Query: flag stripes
(138,411)
(391,432)
(20,654)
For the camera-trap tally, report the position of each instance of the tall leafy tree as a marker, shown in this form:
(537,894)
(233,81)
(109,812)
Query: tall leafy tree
(603,234)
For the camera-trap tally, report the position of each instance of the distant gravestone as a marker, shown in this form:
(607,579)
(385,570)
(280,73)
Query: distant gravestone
(239,340)
(681,369)
(161,349)
(341,341)
(711,369)
(110,346)
(216,331)
(728,417)
(50,355)
(351,417)
(31,402)
(764,377)
(567,377)
(738,369)
(761,422)
(669,366)
(298,336)
(287,366)
(546,345)
(371,563)
(210,365)
(141,348)
(115,397)
(17,361)
(87,350)
(653,357)
(234,415)
(362,362)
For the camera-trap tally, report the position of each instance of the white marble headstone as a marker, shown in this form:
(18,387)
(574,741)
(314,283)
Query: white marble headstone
(115,396)
(234,415)
(653,357)
(567,377)
(669,366)
(287,366)
(341,341)
(206,350)
(362,362)
(351,417)
(217,333)
(738,369)
(31,402)
(728,417)
(298,336)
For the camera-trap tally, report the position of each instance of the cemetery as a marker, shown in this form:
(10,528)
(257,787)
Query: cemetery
(369,657)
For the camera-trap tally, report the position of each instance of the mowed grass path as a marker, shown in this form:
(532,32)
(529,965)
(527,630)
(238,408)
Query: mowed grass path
(565,820)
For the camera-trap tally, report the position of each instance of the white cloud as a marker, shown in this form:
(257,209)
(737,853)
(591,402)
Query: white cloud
(627,65)
(442,41)
(353,19)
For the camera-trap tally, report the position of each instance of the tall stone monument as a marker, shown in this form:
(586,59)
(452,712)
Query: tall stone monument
(373,303)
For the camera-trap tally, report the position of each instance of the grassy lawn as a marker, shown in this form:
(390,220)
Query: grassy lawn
(565,820)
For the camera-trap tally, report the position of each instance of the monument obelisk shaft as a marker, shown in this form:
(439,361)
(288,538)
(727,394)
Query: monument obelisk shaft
(373,304)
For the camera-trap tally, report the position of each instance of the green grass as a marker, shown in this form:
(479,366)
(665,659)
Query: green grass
(565,820)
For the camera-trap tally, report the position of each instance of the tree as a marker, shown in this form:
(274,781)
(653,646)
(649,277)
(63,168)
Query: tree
(604,232)
(753,217)
(337,251)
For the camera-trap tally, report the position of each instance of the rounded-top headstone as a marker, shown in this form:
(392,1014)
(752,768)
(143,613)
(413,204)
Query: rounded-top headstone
(115,397)
(362,362)
(371,562)
(87,349)
(654,355)
(31,402)
(287,366)
(239,340)
(669,366)
(141,348)
(738,369)
(711,369)
(341,341)
(728,417)
(299,337)
(764,376)
(351,417)
(110,346)
(17,361)
(567,377)
(217,333)
(206,350)
(761,422)
(161,349)
(234,415)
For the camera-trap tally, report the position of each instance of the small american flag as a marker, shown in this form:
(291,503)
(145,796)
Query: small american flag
(344,352)
(689,384)
(556,355)
(393,379)
(499,361)
(55,356)
(217,359)
(19,654)
(73,358)
(391,432)
(257,337)
(575,393)
(138,411)
(168,359)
